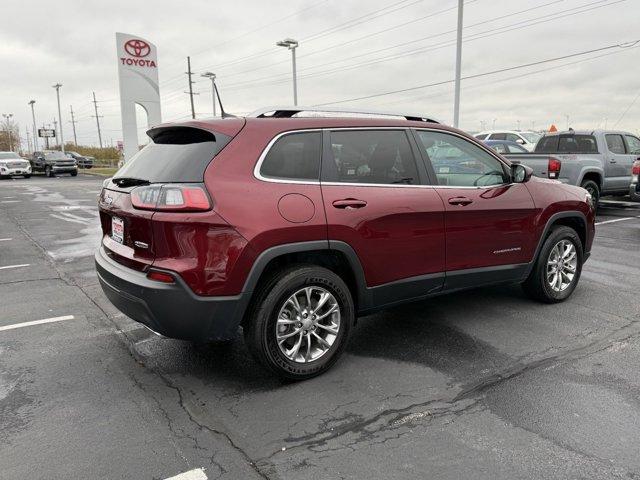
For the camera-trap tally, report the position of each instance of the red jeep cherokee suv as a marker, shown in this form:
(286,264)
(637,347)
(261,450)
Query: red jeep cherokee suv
(292,226)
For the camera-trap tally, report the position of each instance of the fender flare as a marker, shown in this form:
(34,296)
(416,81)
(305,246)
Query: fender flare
(311,246)
(587,170)
(552,219)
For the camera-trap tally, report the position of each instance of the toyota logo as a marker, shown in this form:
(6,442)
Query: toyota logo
(137,48)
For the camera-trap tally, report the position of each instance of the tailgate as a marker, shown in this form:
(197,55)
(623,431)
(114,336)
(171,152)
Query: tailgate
(133,245)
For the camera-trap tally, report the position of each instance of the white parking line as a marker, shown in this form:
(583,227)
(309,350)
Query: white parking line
(616,220)
(37,322)
(196,474)
(6,267)
(10,201)
(620,203)
(5,239)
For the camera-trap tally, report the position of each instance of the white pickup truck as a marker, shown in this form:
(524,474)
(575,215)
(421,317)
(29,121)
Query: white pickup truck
(598,160)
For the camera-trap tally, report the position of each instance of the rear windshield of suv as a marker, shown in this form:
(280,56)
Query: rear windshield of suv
(567,144)
(177,154)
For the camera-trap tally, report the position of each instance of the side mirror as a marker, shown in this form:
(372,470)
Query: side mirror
(520,141)
(520,173)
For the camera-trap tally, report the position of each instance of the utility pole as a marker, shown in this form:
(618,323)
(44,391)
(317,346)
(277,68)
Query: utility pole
(456,100)
(26,129)
(292,44)
(73,123)
(190,92)
(57,87)
(212,77)
(95,106)
(7,119)
(518,123)
(35,130)
(567,117)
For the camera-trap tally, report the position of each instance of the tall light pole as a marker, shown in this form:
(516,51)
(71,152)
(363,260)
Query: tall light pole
(57,87)
(35,130)
(212,77)
(456,101)
(7,119)
(292,44)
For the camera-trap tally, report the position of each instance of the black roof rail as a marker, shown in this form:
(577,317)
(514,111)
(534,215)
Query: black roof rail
(289,112)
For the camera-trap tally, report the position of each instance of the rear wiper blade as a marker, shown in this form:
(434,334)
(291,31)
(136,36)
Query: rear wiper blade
(129,181)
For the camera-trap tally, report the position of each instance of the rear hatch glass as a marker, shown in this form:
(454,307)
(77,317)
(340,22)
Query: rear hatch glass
(175,155)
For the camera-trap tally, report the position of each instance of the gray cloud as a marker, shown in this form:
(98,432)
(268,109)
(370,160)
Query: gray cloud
(74,43)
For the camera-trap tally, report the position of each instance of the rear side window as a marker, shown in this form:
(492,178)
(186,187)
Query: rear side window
(615,144)
(481,136)
(498,136)
(176,154)
(567,144)
(294,156)
(372,156)
(548,144)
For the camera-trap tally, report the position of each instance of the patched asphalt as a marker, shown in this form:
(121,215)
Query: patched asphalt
(478,384)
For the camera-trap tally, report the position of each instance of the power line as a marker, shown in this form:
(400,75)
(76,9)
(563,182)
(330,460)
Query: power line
(627,110)
(323,33)
(261,27)
(476,36)
(478,75)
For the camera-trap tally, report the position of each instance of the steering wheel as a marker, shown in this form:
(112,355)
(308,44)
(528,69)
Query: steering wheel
(492,172)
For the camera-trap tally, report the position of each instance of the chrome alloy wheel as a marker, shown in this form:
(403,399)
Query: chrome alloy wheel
(561,265)
(308,324)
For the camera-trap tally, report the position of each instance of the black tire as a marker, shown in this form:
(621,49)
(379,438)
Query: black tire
(260,327)
(48,172)
(27,176)
(74,174)
(593,188)
(537,286)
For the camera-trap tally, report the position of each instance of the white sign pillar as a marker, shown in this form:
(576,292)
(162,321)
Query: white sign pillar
(138,79)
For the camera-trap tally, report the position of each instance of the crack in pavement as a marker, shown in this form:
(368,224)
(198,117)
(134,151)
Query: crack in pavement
(460,403)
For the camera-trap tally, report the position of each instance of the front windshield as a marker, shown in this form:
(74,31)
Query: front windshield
(8,155)
(56,156)
(531,137)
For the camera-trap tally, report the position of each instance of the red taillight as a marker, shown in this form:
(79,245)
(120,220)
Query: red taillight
(553,168)
(635,170)
(160,277)
(171,198)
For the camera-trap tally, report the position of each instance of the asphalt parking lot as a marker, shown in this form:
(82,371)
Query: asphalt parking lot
(479,384)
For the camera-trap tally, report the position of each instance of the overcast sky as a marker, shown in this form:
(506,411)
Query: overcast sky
(348,49)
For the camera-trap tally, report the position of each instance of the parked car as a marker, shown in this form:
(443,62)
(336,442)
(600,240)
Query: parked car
(634,188)
(83,161)
(527,139)
(13,165)
(292,227)
(598,160)
(53,163)
(505,147)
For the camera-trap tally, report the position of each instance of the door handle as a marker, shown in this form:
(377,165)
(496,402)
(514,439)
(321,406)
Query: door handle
(349,203)
(613,160)
(460,201)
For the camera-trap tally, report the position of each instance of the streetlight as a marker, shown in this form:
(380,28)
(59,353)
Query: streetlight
(35,130)
(212,77)
(292,44)
(57,87)
(7,119)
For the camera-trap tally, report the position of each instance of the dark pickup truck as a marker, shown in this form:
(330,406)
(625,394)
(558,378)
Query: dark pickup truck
(53,163)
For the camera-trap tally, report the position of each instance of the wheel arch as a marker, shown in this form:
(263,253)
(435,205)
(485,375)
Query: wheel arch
(573,219)
(336,256)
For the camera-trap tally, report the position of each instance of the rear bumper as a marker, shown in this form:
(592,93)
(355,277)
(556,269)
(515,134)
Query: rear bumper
(172,310)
